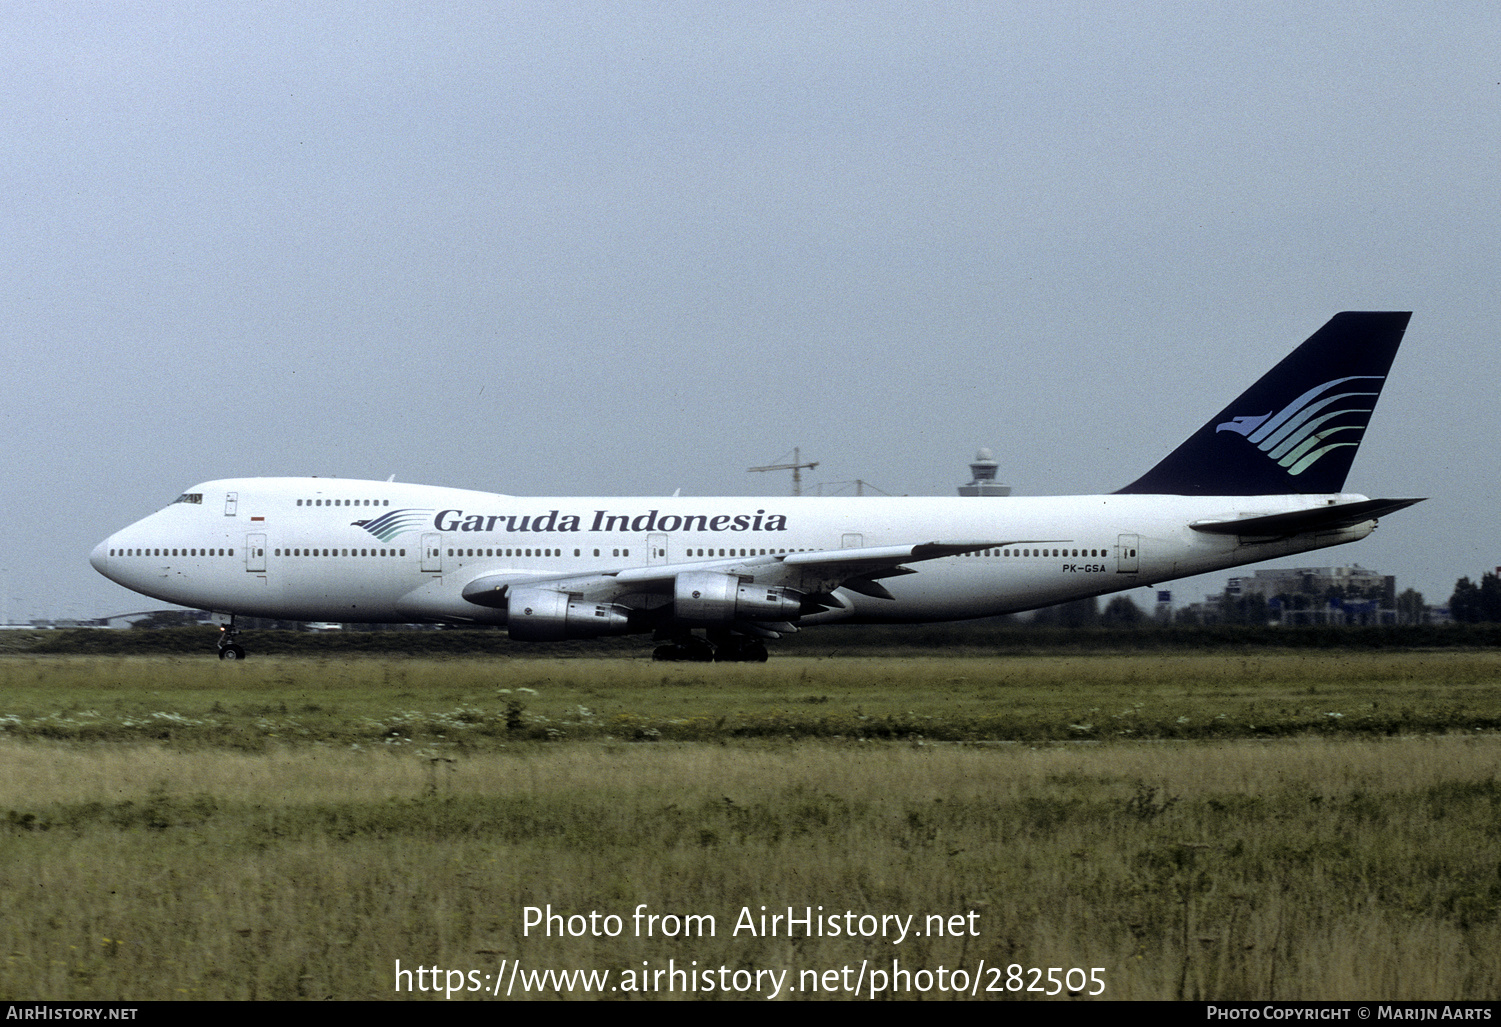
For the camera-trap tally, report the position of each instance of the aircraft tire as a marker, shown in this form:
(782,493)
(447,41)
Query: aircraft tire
(231,652)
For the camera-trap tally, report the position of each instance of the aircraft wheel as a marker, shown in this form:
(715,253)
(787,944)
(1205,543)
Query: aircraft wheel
(667,653)
(231,652)
(754,652)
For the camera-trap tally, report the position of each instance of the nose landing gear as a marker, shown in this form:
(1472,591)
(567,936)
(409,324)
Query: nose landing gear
(228,650)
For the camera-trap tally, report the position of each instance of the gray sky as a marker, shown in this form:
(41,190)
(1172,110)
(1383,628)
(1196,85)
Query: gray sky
(630,248)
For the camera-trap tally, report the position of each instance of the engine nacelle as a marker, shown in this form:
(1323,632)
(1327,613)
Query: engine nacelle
(546,615)
(708,598)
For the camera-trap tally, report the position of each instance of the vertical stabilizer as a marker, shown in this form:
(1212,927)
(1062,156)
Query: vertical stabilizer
(1298,428)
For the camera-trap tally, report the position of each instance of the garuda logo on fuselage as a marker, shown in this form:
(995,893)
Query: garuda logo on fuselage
(1295,435)
(395,522)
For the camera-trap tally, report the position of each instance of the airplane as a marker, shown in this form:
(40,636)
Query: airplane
(716,578)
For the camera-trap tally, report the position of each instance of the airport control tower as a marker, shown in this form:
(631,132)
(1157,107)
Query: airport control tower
(982,481)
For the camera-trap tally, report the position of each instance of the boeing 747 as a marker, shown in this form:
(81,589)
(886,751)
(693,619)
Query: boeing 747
(715,578)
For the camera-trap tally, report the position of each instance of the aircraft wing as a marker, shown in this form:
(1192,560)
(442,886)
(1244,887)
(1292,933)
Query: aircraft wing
(1303,522)
(816,571)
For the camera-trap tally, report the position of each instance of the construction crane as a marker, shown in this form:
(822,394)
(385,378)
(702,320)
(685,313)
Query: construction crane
(840,486)
(796,467)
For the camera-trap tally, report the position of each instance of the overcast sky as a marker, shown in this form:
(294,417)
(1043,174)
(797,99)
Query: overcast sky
(622,249)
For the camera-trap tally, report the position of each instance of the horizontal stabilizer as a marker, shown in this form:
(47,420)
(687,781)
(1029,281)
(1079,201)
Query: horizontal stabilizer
(1303,522)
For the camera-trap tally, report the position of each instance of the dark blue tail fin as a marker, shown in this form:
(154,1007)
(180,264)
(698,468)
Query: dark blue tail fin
(1297,429)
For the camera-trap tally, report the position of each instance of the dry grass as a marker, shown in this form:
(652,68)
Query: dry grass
(1258,826)
(36,775)
(1291,869)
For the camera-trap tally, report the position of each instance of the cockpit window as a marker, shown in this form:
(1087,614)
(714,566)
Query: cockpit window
(189,497)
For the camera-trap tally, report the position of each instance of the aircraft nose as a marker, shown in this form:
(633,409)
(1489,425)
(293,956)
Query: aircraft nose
(99,558)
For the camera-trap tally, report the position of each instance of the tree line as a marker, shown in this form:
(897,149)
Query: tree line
(1476,604)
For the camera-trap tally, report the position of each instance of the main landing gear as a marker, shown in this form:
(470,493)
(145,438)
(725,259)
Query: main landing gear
(228,650)
(719,648)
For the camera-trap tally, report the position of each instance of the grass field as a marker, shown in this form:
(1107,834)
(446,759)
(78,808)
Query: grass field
(473,703)
(1278,825)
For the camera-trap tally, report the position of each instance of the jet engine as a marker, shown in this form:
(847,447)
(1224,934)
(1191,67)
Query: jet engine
(545,615)
(705,598)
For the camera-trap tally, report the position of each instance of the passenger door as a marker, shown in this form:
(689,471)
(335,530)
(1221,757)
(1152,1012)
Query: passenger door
(432,553)
(255,554)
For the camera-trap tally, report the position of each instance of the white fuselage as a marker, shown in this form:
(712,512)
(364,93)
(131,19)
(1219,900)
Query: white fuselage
(290,548)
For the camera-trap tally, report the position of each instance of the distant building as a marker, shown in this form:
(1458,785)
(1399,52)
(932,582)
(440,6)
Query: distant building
(1354,580)
(982,478)
(1302,595)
